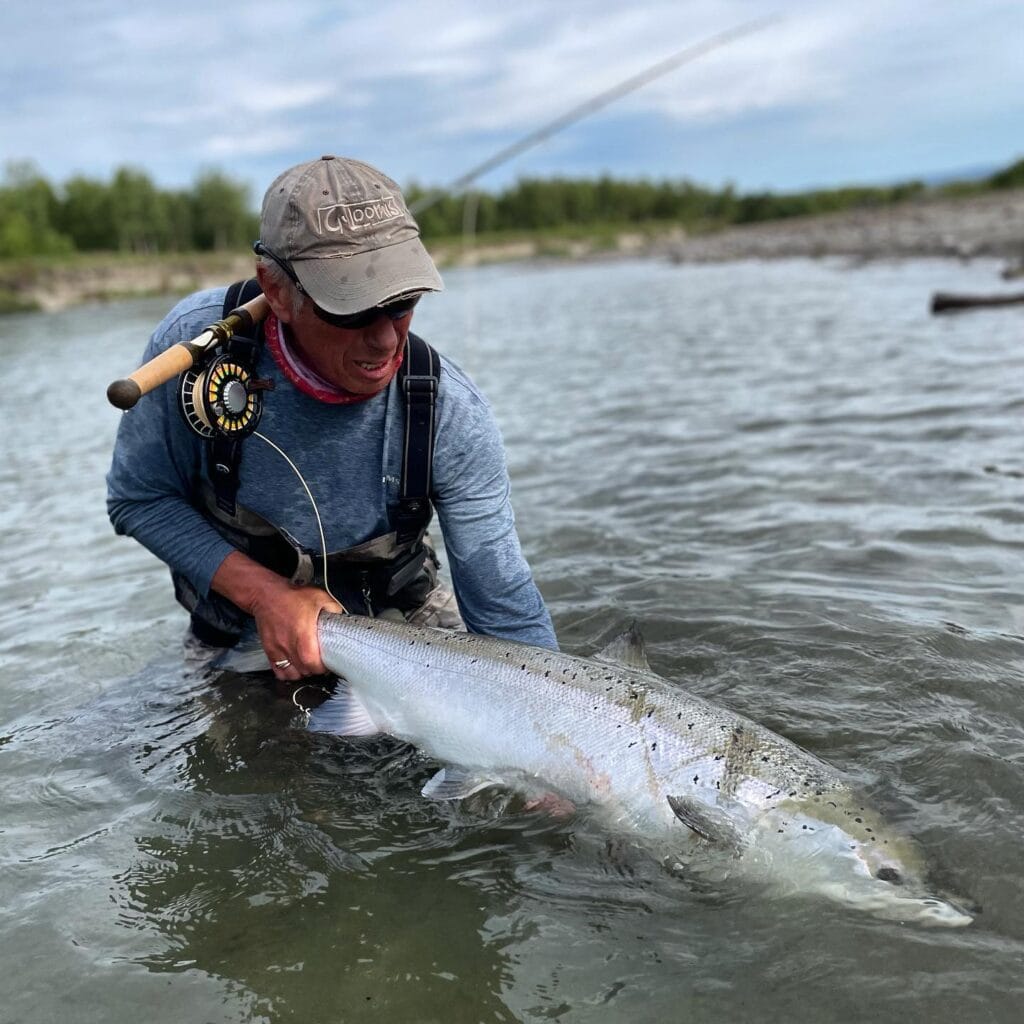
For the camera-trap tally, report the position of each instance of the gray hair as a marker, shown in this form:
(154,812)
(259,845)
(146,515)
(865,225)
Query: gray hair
(279,278)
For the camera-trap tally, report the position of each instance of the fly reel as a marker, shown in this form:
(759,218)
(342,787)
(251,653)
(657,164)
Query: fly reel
(222,398)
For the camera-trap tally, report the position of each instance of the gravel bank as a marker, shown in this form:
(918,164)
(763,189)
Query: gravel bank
(986,225)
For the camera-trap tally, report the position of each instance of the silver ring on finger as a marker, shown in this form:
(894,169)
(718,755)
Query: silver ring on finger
(283,663)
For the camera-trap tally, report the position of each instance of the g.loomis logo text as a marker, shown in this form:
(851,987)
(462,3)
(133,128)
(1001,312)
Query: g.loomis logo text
(344,217)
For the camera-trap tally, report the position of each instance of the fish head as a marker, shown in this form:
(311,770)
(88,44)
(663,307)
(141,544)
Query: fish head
(861,862)
(894,895)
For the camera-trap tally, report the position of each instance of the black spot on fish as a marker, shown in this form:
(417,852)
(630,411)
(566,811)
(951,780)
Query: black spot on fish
(858,820)
(690,726)
(718,757)
(633,744)
(764,758)
(523,667)
(679,715)
(889,875)
(654,745)
(651,712)
(696,779)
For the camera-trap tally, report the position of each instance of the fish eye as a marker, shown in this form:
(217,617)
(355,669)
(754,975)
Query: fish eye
(889,875)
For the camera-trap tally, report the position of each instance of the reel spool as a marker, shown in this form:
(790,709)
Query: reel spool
(221,398)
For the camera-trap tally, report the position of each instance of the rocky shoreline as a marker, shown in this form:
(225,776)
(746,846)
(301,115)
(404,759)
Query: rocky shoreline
(988,225)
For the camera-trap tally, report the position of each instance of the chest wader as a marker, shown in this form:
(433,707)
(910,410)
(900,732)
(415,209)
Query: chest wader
(397,570)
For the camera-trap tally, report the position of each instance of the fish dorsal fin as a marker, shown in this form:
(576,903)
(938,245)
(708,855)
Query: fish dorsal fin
(708,822)
(627,650)
(343,713)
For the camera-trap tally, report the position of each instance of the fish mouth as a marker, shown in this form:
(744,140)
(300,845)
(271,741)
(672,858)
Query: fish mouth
(930,911)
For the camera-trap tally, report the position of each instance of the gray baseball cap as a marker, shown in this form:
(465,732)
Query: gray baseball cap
(348,234)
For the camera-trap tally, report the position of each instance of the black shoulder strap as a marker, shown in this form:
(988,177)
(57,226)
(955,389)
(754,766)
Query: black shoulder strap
(240,293)
(417,382)
(224,454)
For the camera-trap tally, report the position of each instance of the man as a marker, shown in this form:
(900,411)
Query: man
(341,265)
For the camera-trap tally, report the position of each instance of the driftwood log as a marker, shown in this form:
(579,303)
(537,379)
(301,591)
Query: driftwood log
(948,302)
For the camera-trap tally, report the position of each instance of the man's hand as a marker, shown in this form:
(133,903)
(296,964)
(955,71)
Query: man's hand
(285,615)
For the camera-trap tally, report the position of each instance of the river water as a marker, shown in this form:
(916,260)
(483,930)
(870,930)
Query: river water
(806,491)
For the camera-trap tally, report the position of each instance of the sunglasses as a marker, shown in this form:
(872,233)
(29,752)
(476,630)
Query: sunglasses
(349,321)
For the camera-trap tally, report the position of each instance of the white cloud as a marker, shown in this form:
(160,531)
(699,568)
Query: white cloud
(431,87)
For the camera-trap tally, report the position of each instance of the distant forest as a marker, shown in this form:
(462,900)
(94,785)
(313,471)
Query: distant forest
(130,214)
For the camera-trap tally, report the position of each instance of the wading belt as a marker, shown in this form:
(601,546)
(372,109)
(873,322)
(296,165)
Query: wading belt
(417,380)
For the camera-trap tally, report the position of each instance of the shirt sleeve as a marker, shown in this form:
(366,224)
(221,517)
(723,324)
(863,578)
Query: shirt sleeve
(155,464)
(493,584)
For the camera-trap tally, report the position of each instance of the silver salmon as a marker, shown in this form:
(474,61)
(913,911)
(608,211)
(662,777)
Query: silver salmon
(651,760)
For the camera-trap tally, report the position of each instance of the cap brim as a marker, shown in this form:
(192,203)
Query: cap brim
(350,284)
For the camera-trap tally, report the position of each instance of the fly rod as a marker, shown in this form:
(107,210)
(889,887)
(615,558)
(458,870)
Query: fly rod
(595,103)
(123,394)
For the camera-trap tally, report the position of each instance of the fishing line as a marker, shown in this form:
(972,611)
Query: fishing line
(595,103)
(312,501)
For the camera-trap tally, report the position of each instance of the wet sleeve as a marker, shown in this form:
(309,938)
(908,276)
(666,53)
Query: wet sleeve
(156,463)
(493,584)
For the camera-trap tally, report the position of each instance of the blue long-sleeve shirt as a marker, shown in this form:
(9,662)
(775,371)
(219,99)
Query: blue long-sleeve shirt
(350,456)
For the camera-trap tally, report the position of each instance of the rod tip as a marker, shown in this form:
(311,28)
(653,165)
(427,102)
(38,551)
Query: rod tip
(123,394)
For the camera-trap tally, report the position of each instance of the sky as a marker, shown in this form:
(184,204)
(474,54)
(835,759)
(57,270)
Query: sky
(834,92)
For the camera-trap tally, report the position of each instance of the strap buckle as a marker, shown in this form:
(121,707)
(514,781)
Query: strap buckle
(420,385)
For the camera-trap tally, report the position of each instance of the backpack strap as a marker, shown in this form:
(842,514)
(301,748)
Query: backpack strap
(224,454)
(417,383)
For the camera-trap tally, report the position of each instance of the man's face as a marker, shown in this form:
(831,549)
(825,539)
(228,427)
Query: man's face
(361,361)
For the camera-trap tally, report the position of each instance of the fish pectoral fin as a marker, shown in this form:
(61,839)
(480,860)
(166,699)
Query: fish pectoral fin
(455,784)
(627,650)
(343,714)
(708,823)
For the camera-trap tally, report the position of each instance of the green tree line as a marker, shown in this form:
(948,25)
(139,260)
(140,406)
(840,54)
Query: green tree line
(126,214)
(131,214)
(534,203)
(561,202)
